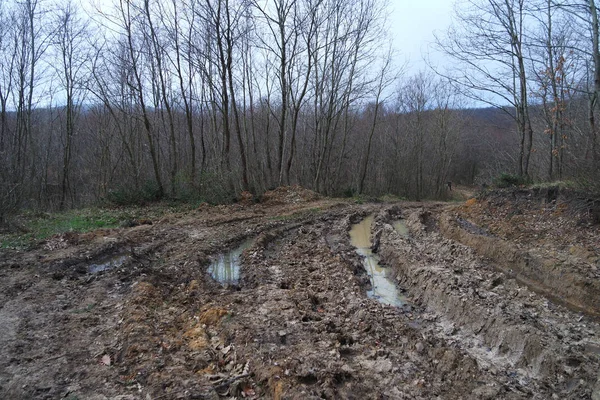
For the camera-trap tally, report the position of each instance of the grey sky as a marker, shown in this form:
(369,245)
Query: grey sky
(412,24)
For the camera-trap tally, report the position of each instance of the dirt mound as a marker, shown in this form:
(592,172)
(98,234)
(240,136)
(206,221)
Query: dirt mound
(289,195)
(246,198)
(545,237)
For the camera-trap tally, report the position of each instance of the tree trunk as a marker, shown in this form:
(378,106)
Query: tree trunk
(594,102)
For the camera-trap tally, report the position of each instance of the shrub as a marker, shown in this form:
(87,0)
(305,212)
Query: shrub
(209,187)
(508,180)
(214,188)
(125,196)
(348,193)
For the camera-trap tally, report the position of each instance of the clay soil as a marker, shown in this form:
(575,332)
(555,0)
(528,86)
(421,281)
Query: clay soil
(503,303)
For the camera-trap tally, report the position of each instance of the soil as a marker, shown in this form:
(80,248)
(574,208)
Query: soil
(502,304)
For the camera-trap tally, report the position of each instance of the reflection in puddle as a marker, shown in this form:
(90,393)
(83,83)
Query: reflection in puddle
(384,289)
(225,268)
(113,262)
(401,228)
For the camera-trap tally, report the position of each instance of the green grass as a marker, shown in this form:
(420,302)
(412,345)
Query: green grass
(71,222)
(392,198)
(39,226)
(14,241)
(559,184)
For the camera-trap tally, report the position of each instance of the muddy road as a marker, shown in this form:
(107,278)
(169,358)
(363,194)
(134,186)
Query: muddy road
(493,300)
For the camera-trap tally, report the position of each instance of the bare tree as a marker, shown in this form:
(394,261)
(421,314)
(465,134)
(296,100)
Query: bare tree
(126,21)
(385,79)
(555,73)
(31,39)
(7,62)
(70,41)
(489,46)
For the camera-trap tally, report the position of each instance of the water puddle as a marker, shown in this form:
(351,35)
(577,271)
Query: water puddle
(401,228)
(383,288)
(107,264)
(225,268)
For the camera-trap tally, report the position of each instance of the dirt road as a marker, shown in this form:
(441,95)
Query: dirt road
(492,311)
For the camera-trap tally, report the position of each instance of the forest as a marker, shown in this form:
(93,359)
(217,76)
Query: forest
(139,100)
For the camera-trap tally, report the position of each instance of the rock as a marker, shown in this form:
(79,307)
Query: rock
(282,336)
(419,347)
(347,369)
(383,366)
(379,365)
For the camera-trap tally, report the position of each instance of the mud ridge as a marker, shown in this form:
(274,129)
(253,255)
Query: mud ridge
(542,275)
(469,305)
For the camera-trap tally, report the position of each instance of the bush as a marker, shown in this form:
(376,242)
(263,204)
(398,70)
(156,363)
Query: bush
(214,188)
(9,202)
(124,196)
(348,193)
(508,180)
(210,187)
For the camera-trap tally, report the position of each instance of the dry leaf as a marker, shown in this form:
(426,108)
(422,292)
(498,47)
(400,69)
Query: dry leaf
(248,392)
(105,360)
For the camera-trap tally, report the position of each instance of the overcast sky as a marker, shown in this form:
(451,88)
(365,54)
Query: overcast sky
(412,24)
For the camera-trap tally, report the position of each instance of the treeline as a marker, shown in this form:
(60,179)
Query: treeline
(197,99)
(539,60)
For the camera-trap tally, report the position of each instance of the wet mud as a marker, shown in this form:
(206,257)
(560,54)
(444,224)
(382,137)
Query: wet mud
(303,319)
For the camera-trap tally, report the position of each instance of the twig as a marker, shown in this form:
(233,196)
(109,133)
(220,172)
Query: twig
(230,381)
(55,357)
(221,385)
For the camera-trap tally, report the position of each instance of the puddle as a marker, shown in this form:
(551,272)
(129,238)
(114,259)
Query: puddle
(384,289)
(110,263)
(225,268)
(401,228)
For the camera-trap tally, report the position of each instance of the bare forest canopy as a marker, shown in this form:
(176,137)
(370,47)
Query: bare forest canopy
(199,100)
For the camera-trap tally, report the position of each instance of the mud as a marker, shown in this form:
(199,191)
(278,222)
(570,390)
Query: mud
(299,323)
(115,261)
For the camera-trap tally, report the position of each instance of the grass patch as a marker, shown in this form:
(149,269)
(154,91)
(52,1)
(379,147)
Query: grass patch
(392,198)
(556,184)
(34,227)
(14,241)
(509,180)
(71,222)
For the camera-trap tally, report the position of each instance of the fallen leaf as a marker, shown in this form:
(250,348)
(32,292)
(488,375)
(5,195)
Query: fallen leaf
(248,391)
(105,360)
